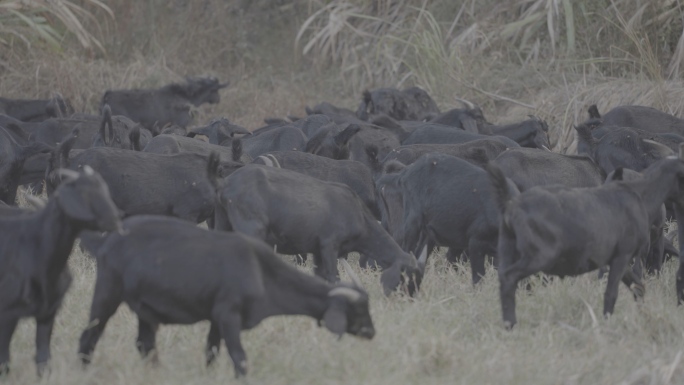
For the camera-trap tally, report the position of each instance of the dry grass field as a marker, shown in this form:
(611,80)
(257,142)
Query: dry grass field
(546,57)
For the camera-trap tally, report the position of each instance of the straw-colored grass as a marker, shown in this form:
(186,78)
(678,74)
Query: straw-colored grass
(450,333)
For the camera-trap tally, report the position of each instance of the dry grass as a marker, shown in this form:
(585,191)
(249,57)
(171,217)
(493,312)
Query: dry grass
(451,333)
(616,53)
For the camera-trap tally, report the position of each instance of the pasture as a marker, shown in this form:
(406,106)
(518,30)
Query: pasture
(451,332)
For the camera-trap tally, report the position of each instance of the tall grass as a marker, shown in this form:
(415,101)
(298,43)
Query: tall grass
(47,21)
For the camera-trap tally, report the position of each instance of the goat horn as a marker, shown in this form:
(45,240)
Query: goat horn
(266,160)
(276,164)
(37,202)
(466,103)
(546,148)
(355,279)
(422,260)
(67,174)
(88,170)
(349,293)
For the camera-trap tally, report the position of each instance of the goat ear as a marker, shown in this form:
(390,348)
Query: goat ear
(315,143)
(74,204)
(335,317)
(343,137)
(470,125)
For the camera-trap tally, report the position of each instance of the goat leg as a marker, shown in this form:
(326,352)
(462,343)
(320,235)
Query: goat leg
(146,341)
(230,325)
(618,267)
(7,327)
(213,343)
(43,336)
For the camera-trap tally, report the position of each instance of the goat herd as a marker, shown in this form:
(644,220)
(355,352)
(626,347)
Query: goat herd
(391,181)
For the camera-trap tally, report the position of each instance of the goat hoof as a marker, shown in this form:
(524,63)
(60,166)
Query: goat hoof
(508,325)
(86,359)
(4,369)
(211,355)
(42,368)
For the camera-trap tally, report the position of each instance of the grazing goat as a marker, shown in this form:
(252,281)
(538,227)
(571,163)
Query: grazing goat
(36,110)
(166,105)
(300,214)
(570,231)
(172,272)
(33,256)
(449,202)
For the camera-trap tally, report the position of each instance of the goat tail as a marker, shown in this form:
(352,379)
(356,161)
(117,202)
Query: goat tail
(236,147)
(107,120)
(504,190)
(212,168)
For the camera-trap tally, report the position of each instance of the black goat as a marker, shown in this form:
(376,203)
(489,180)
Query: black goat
(622,147)
(145,183)
(176,144)
(430,133)
(640,117)
(285,138)
(478,152)
(301,214)
(351,173)
(532,133)
(409,104)
(36,110)
(219,130)
(528,167)
(449,202)
(331,142)
(470,119)
(232,280)
(169,104)
(33,255)
(570,231)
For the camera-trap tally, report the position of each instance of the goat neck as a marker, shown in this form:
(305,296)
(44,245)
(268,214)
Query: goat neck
(55,238)
(659,183)
(290,292)
(377,242)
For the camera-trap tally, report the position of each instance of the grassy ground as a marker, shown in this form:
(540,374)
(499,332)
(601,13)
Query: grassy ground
(450,333)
